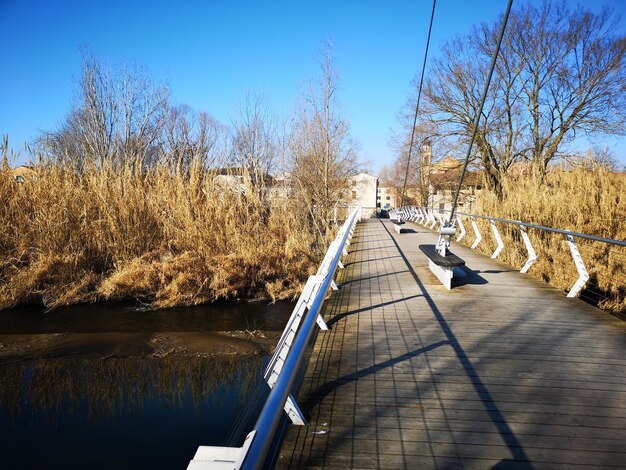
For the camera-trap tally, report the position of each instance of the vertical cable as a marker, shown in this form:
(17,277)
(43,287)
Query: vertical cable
(417,105)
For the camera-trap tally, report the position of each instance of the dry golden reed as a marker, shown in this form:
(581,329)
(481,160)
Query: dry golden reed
(168,237)
(590,202)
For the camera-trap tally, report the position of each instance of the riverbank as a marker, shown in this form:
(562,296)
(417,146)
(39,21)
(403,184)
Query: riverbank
(167,237)
(23,347)
(125,330)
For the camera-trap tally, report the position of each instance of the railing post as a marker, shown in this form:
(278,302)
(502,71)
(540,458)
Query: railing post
(496,234)
(583,275)
(462,227)
(439,219)
(532,256)
(432,214)
(479,237)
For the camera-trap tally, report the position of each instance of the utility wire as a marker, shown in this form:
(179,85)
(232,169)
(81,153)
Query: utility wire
(480,110)
(417,105)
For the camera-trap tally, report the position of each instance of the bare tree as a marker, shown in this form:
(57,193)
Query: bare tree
(560,73)
(192,138)
(254,142)
(117,116)
(323,155)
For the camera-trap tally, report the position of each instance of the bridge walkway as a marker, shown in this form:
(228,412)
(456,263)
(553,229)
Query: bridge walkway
(502,371)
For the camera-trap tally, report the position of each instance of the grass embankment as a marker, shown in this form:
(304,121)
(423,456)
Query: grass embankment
(590,202)
(171,239)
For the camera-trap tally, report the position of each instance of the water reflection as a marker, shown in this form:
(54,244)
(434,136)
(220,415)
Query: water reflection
(120,412)
(128,388)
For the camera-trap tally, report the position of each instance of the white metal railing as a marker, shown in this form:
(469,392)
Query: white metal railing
(429,217)
(285,364)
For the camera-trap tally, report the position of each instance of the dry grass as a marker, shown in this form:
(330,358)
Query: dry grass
(591,202)
(172,239)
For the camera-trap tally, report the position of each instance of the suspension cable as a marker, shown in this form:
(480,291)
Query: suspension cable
(417,105)
(480,110)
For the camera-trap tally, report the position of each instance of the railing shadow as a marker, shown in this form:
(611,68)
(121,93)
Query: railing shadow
(369,278)
(318,395)
(376,248)
(496,416)
(340,316)
(370,260)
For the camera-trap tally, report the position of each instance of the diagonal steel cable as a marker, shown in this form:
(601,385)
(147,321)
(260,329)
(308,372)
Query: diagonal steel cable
(480,110)
(417,105)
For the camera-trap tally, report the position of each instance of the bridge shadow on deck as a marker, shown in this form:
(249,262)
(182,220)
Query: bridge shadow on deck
(498,419)
(418,388)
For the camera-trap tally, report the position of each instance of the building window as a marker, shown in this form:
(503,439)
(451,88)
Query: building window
(388,198)
(378,190)
(378,198)
(353,194)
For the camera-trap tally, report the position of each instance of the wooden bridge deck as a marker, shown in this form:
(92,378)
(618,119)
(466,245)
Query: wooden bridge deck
(501,371)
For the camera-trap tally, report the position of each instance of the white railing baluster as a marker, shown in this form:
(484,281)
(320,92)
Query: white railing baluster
(532,256)
(583,275)
(434,220)
(440,219)
(479,237)
(499,241)
(462,227)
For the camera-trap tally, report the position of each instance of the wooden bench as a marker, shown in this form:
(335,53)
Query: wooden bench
(442,266)
(397,225)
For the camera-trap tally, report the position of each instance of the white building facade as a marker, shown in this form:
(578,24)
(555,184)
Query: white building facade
(362,191)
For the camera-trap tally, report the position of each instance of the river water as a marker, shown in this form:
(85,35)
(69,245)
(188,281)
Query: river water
(93,387)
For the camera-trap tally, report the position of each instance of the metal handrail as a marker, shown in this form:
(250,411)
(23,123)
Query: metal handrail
(269,419)
(427,215)
(610,241)
(542,227)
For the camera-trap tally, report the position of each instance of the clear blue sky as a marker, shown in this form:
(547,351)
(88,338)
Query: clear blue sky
(211,53)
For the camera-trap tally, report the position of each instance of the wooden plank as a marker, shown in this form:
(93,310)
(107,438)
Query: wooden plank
(502,370)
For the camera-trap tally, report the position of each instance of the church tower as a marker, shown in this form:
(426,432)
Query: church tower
(426,151)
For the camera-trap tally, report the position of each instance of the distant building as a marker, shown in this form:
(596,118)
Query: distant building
(362,190)
(281,186)
(443,181)
(238,179)
(361,187)
(447,165)
(387,197)
(20,173)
